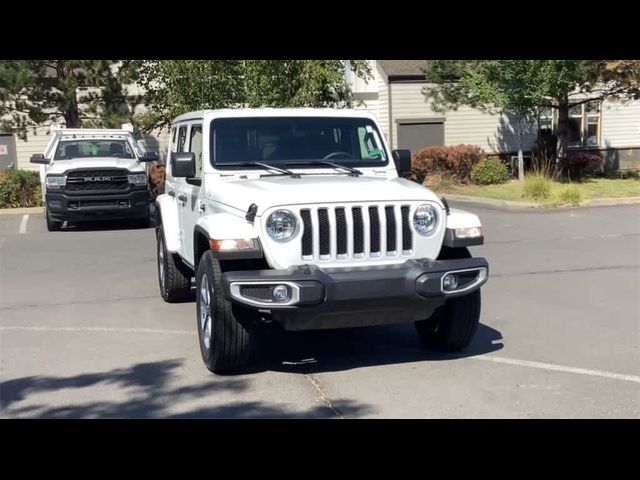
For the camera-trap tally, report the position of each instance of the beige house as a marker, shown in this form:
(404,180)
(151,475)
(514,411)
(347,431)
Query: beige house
(395,96)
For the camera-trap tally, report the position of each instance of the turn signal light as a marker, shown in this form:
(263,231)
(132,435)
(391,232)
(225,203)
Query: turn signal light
(230,245)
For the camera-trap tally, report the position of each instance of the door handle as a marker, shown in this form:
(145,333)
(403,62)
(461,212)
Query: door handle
(202,207)
(171,193)
(182,197)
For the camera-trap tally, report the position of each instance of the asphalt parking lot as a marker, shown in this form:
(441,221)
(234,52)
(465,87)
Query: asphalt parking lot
(85,334)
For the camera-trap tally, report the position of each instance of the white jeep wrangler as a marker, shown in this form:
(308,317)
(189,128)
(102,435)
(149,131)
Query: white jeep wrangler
(298,216)
(94,174)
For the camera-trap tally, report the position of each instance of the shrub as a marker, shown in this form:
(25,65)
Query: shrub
(454,162)
(536,187)
(490,172)
(438,182)
(156,180)
(571,195)
(578,164)
(20,188)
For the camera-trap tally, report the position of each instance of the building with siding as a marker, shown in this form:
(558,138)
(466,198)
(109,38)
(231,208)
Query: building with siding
(394,95)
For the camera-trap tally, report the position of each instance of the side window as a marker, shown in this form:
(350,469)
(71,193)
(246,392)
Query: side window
(182,138)
(195,146)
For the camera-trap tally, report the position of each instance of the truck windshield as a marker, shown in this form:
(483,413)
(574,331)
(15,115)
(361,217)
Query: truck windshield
(296,141)
(69,149)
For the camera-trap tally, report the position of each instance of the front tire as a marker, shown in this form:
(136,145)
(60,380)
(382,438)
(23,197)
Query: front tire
(227,333)
(452,327)
(173,276)
(52,225)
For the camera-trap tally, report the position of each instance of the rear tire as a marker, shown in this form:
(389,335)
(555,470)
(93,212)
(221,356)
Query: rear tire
(52,225)
(227,333)
(174,277)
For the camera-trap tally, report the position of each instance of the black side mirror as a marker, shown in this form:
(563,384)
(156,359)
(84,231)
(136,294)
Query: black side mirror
(402,159)
(39,158)
(149,157)
(183,164)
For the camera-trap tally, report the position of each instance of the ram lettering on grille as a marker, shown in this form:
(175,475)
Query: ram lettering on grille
(342,232)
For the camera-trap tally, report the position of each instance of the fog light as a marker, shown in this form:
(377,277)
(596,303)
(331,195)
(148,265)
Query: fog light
(450,282)
(281,293)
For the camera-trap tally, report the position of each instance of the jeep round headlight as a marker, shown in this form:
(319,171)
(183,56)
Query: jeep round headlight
(425,219)
(281,225)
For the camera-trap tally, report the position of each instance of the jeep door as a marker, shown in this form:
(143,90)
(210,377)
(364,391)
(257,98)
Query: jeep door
(175,187)
(189,205)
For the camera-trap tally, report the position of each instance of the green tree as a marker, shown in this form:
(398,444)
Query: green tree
(80,92)
(174,87)
(525,86)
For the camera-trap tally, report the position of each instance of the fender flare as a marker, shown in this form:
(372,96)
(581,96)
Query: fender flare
(225,226)
(167,215)
(461,219)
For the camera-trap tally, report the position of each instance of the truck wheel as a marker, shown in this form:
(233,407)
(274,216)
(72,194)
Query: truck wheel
(226,332)
(52,225)
(452,327)
(173,277)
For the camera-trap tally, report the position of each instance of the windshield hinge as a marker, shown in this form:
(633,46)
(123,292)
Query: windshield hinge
(251,213)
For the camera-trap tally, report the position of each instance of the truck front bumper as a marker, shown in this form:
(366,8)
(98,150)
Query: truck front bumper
(308,297)
(132,204)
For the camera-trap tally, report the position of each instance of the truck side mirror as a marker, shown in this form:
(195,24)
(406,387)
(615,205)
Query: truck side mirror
(39,158)
(402,159)
(149,157)
(183,164)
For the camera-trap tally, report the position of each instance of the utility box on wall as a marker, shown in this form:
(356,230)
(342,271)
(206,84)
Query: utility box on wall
(7,151)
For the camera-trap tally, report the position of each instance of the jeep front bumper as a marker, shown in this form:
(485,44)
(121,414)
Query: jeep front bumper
(309,297)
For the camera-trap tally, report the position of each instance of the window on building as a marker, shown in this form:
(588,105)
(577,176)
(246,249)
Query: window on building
(584,124)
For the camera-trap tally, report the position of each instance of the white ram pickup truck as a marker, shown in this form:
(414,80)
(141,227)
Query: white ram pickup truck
(94,174)
(299,216)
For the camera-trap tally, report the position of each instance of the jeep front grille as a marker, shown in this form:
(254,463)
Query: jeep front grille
(344,232)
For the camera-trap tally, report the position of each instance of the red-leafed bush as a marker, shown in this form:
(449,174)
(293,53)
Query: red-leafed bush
(578,164)
(454,162)
(156,180)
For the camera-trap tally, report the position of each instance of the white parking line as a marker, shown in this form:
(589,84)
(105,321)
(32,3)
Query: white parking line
(95,329)
(23,225)
(560,368)
(486,358)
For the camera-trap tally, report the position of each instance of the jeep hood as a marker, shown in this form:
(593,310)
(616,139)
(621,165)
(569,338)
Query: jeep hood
(331,189)
(61,166)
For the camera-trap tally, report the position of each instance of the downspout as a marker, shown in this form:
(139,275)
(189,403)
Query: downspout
(390,113)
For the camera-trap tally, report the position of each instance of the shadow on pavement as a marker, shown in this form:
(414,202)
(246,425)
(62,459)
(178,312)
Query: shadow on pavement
(346,349)
(146,392)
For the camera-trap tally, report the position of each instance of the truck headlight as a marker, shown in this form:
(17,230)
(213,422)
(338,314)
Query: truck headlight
(281,225)
(138,179)
(55,183)
(425,219)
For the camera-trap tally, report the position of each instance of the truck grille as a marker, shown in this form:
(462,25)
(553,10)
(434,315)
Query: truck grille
(344,232)
(103,180)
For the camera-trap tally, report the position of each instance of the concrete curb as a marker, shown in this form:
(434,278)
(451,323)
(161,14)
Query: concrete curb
(512,205)
(21,211)
(508,204)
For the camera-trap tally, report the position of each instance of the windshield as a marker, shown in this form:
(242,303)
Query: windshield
(69,149)
(291,141)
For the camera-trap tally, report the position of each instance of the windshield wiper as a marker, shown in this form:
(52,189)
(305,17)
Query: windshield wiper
(352,171)
(266,166)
